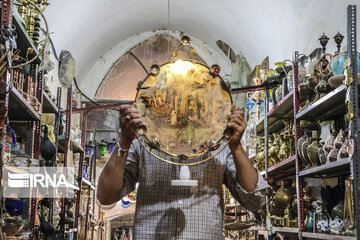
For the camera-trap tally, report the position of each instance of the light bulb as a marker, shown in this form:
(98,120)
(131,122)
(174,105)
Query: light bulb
(181,67)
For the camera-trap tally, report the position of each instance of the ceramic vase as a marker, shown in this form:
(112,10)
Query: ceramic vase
(321,155)
(312,150)
(304,150)
(299,144)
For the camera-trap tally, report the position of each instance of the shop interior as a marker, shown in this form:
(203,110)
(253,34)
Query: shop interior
(292,68)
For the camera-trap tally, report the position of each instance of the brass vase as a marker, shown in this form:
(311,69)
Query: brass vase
(312,150)
(283,198)
(307,199)
(283,148)
(294,205)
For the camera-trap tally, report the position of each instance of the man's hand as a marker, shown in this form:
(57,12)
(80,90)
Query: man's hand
(246,174)
(111,178)
(236,121)
(129,119)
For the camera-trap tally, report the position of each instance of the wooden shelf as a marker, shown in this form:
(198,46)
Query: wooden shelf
(48,105)
(71,230)
(282,169)
(87,183)
(14,169)
(74,187)
(285,230)
(76,148)
(332,169)
(283,107)
(283,110)
(20,109)
(330,106)
(326,236)
(256,228)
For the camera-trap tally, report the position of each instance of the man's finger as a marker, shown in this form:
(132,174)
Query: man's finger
(134,115)
(135,122)
(239,116)
(238,112)
(236,120)
(124,107)
(129,111)
(236,127)
(240,124)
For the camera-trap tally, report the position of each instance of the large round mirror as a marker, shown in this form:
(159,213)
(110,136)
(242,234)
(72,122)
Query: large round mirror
(184,108)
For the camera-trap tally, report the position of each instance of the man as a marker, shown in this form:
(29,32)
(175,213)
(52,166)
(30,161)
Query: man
(168,212)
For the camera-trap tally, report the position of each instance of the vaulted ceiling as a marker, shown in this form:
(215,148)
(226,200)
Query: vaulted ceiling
(92,29)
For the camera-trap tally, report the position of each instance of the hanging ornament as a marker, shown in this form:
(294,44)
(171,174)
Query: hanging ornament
(185,40)
(215,70)
(155,70)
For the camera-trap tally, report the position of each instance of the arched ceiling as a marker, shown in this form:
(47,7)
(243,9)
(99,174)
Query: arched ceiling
(257,28)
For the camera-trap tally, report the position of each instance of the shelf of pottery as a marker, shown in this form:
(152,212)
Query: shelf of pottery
(324,146)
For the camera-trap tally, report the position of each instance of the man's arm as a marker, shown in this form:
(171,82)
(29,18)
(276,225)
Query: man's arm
(246,174)
(111,181)
(111,178)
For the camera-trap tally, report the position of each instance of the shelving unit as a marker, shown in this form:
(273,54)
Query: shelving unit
(283,110)
(330,106)
(23,39)
(20,109)
(87,183)
(76,148)
(282,168)
(326,236)
(285,230)
(334,169)
(48,105)
(25,120)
